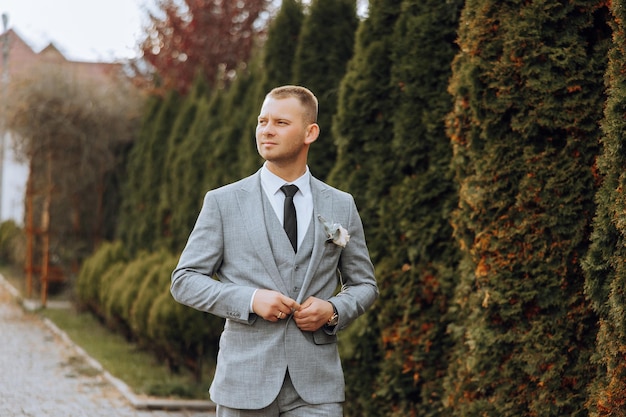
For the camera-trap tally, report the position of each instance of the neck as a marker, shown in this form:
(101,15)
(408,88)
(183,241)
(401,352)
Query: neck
(288,173)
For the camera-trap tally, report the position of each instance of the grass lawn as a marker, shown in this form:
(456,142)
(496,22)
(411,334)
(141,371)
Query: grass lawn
(139,369)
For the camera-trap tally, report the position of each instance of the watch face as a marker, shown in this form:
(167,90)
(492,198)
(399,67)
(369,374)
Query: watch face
(333,320)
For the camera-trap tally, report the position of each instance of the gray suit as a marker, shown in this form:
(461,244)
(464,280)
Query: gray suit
(230,242)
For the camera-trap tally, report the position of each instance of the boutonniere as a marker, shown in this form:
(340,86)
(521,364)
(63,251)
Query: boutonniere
(335,233)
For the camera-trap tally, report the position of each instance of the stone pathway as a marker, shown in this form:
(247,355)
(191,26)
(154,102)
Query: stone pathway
(42,376)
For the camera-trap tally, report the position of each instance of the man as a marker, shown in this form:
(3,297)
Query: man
(273,274)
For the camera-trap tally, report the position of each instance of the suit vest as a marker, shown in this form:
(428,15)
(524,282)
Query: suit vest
(292,266)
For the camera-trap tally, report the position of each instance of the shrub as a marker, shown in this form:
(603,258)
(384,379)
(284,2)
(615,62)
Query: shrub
(107,282)
(156,281)
(12,243)
(186,336)
(122,289)
(92,271)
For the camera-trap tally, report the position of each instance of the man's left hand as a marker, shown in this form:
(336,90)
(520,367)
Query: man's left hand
(313,314)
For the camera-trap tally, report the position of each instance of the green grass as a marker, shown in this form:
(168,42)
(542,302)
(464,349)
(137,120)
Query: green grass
(137,368)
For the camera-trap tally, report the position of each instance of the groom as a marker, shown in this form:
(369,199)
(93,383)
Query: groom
(270,260)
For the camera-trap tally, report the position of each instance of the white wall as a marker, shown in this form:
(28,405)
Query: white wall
(14,179)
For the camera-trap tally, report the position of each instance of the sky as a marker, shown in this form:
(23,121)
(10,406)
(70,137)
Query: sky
(83,30)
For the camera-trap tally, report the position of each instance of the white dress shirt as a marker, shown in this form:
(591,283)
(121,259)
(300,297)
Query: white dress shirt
(302,200)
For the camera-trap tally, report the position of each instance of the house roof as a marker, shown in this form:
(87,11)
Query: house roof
(22,58)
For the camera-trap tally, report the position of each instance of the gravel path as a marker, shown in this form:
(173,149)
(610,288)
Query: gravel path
(42,376)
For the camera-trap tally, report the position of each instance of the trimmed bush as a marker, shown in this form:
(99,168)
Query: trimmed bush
(93,269)
(118,297)
(186,336)
(155,282)
(12,243)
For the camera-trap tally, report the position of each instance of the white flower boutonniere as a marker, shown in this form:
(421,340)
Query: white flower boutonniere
(335,233)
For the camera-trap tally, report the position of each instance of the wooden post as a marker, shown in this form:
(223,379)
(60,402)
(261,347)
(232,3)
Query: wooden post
(30,233)
(45,226)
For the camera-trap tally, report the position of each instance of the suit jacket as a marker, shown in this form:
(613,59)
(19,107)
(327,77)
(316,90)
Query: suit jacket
(228,256)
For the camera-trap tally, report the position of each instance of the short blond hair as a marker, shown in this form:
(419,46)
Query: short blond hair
(304,96)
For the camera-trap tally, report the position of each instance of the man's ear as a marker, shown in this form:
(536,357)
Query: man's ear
(312,133)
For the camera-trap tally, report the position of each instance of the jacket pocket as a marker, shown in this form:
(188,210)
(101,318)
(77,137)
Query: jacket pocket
(320,337)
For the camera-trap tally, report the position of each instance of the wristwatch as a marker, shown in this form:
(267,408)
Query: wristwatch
(334,319)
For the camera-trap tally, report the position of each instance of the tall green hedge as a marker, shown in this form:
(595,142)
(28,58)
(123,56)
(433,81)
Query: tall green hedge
(604,264)
(194,162)
(325,46)
(280,48)
(365,167)
(417,273)
(171,190)
(140,226)
(363,124)
(528,93)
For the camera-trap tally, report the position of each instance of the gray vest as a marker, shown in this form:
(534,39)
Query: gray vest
(292,266)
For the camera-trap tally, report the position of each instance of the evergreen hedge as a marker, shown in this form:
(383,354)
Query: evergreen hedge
(528,93)
(604,264)
(417,274)
(12,244)
(133,297)
(365,167)
(92,271)
(325,47)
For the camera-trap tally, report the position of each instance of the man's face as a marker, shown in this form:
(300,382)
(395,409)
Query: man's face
(282,137)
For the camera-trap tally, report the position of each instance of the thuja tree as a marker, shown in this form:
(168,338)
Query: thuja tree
(528,90)
(282,41)
(325,46)
(196,159)
(363,125)
(604,265)
(171,191)
(363,131)
(139,226)
(232,134)
(130,204)
(417,273)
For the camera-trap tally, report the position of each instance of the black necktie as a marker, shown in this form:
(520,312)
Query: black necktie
(290,223)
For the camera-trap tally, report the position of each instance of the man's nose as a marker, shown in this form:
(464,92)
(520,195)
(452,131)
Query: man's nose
(268,128)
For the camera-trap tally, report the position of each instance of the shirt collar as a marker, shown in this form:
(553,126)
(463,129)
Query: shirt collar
(272,182)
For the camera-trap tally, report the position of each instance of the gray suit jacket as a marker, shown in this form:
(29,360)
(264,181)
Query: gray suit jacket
(228,256)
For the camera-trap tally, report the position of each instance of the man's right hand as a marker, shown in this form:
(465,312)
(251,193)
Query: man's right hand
(272,305)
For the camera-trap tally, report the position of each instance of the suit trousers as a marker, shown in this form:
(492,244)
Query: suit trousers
(287,404)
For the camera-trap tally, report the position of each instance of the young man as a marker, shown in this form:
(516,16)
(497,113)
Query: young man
(273,274)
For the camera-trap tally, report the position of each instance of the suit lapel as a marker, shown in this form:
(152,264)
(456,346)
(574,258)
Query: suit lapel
(322,205)
(251,208)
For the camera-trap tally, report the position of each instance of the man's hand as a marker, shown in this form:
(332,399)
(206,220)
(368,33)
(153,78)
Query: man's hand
(272,305)
(313,314)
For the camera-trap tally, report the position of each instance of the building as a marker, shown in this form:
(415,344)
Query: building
(18,58)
